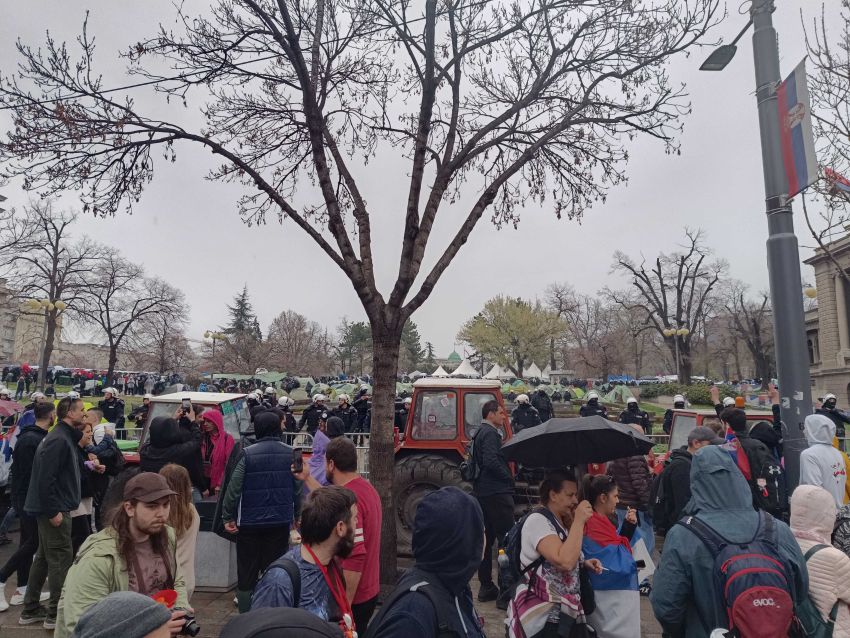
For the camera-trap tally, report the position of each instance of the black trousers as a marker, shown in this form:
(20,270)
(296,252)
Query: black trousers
(80,531)
(256,549)
(362,613)
(21,560)
(498,519)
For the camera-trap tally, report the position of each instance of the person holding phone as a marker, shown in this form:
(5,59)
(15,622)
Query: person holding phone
(175,440)
(260,504)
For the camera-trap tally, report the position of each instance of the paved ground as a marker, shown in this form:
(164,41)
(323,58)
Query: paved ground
(214,609)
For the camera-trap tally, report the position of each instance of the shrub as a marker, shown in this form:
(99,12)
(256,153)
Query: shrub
(696,394)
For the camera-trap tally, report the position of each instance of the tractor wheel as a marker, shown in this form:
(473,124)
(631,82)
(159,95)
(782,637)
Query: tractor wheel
(415,477)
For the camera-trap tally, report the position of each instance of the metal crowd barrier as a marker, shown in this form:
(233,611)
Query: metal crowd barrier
(298,440)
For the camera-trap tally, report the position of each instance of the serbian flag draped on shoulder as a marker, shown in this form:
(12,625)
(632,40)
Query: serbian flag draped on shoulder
(797,142)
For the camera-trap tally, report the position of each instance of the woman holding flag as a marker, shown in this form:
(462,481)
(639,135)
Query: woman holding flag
(617,612)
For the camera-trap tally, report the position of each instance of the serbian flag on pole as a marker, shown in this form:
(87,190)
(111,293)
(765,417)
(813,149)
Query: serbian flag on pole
(795,131)
(838,184)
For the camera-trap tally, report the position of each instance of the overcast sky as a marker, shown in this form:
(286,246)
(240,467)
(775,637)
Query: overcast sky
(187,230)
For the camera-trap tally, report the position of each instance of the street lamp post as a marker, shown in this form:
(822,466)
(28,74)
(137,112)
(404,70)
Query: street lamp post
(783,258)
(215,336)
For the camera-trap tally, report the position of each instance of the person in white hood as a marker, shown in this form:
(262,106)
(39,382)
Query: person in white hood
(822,464)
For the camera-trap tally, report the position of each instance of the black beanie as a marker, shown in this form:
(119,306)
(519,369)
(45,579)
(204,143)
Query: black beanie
(272,622)
(335,427)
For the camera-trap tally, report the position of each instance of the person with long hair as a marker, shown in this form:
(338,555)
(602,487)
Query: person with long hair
(548,597)
(137,552)
(617,613)
(184,518)
(216,445)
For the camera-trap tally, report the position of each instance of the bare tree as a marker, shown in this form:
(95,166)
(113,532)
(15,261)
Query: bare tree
(158,343)
(300,344)
(119,298)
(53,270)
(560,299)
(672,292)
(523,101)
(594,329)
(752,321)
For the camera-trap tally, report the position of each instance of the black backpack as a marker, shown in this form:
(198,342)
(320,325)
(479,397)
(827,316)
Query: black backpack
(115,466)
(767,478)
(414,581)
(659,503)
(470,469)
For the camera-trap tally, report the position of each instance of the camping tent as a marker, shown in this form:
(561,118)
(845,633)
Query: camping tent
(532,371)
(465,369)
(546,372)
(619,394)
(495,372)
(439,372)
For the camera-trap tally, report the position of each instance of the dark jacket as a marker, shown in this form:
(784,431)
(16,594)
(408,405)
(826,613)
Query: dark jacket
(495,477)
(268,487)
(310,417)
(668,421)
(23,457)
(113,411)
(636,417)
(167,444)
(363,406)
(684,594)
(836,416)
(593,409)
(634,480)
(55,482)
(524,416)
(349,417)
(448,537)
(543,405)
(677,482)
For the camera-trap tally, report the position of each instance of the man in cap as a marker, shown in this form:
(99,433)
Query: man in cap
(112,408)
(140,414)
(137,552)
(678,404)
(524,415)
(401,414)
(635,416)
(592,407)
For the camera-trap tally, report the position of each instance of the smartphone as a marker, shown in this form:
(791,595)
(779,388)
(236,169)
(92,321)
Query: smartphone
(297,462)
(187,405)
(640,564)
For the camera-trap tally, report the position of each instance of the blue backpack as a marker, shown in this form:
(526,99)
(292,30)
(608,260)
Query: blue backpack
(751,578)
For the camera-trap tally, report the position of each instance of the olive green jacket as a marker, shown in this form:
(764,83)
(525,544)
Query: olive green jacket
(97,571)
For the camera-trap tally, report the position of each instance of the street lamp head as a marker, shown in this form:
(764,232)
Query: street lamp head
(684,332)
(811,293)
(669,332)
(719,58)
(207,334)
(60,305)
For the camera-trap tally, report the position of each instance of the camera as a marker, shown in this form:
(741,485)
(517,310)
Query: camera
(190,625)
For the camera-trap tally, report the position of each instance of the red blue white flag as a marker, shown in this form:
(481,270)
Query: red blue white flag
(838,184)
(795,131)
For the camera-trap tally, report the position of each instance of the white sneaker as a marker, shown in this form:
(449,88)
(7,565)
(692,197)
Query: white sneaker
(18,598)
(3,604)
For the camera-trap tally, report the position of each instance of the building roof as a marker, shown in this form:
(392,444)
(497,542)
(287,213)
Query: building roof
(454,357)
(432,382)
(197,397)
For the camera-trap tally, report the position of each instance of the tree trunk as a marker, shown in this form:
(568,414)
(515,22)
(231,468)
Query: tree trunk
(552,365)
(50,335)
(381,449)
(113,359)
(686,366)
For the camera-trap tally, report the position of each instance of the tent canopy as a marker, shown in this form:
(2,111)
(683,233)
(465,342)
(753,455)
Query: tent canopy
(465,369)
(495,372)
(532,371)
(439,372)
(619,394)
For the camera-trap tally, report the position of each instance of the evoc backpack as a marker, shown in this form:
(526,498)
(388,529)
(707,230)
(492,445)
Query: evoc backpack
(752,579)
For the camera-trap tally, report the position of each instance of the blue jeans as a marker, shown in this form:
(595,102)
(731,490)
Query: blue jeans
(11,515)
(196,496)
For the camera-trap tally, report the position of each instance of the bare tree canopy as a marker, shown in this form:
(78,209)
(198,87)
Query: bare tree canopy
(534,100)
(158,342)
(673,292)
(54,269)
(119,298)
(302,346)
(751,319)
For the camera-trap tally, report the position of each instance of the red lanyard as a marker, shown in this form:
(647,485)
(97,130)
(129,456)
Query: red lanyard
(347,622)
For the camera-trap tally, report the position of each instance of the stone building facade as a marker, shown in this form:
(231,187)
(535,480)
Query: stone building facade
(827,326)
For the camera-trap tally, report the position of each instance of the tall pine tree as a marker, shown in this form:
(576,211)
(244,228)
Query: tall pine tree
(242,318)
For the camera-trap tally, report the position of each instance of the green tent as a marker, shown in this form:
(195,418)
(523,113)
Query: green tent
(619,394)
(299,394)
(578,393)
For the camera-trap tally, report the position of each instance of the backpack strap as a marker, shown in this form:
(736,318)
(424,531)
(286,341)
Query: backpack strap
(291,568)
(711,539)
(425,588)
(814,550)
(546,512)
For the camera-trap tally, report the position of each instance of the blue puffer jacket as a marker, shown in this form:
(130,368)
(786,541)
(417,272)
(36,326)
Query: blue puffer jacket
(684,597)
(268,490)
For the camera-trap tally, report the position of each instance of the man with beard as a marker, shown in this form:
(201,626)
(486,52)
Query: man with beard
(634,415)
(260,504)
(137,552)
(313,569)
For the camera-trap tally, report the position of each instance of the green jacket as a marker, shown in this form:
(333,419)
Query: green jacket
(99,570)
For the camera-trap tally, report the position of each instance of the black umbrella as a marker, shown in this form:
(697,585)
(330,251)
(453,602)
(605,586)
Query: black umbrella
(560,442)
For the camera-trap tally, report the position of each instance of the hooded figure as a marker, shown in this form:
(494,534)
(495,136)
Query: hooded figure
(822,464)
(215,448)
(448,540)
(167,444)
(812,518)
(280,621)
(684,595)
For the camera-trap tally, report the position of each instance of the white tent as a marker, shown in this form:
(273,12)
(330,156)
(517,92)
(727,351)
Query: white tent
(547,371)
(495,372)
(532,371)
(439,372)
(465,369)
(417,375)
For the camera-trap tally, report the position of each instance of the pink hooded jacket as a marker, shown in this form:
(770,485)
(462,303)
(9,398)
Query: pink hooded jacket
(222,445)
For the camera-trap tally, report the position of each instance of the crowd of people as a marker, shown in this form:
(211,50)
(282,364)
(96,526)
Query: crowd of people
(97,537)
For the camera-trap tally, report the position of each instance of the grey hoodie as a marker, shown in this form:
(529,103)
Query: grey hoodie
(822,464)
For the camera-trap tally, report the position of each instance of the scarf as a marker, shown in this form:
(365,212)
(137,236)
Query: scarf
(602,531)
